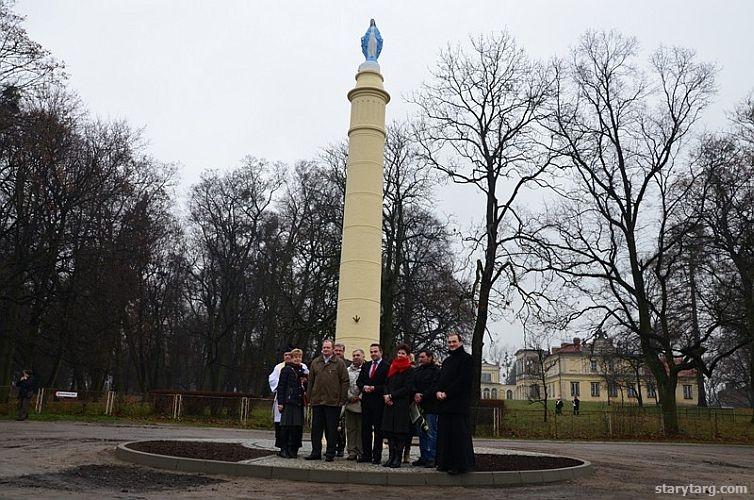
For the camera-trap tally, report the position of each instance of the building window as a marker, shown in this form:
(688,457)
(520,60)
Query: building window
(687,392)
(632,391)
(593,365)
(534,391)
(651,390)
(595,389)
(487,377)
(575,389)
(612,390)
(486,394)
(509,395)
(494,393)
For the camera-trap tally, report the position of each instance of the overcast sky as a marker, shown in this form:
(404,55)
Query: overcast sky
(213,81)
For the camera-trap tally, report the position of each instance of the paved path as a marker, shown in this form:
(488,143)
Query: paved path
(32,454)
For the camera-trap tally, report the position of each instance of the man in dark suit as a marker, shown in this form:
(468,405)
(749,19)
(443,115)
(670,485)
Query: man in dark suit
(455,449)
(371,382)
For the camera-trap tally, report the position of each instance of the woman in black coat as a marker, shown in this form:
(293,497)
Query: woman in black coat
(396,420)
(290,394)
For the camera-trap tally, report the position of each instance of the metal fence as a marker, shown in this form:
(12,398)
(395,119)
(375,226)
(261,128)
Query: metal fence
(499,421)
(618,423)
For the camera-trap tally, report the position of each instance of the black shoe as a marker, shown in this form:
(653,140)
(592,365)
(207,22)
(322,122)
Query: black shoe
(339,454)
(377,460)
(430,464)
(419,463)
(352,457)
(284,453)
(329,459)
(313,457)
(364,460)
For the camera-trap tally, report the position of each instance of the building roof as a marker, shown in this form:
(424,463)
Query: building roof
(574,347)
(691,372)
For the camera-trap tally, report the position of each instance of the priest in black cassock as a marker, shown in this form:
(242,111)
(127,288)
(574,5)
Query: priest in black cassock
(455,451)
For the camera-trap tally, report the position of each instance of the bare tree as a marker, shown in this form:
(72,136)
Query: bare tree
(422,300)
(479,114)
(620,134)
(723,197)
(229,214)
(24,64)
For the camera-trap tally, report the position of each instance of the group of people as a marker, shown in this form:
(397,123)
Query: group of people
(559,405)
(356,404)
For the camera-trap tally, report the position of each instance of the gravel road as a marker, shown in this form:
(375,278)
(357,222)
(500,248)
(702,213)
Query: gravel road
(76,460)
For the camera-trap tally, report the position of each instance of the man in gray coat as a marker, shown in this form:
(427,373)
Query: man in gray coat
(353,407)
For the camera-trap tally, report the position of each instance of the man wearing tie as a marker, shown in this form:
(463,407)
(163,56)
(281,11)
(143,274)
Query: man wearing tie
(371,382)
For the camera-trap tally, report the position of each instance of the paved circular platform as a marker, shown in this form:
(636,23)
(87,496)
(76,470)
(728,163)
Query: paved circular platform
(344,471)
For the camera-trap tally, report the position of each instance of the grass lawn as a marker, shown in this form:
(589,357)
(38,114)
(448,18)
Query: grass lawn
(518,419)
(596,420)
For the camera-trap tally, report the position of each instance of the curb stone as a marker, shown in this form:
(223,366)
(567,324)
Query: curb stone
(257,468)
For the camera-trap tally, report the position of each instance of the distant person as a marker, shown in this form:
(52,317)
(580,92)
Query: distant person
(290,396)
(425,379)
(576,404)
(340,351)
(559,407)
(399,392)
(353,406)
(371,382)
(26,390)
(327,391)
(455,449)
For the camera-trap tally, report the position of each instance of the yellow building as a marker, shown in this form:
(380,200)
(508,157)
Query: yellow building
(593,373)
(491,387)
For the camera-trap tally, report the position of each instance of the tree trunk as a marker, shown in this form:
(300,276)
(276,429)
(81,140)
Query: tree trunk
(668,405)
(751,381)
(695,327)
(480,326)
(639,397)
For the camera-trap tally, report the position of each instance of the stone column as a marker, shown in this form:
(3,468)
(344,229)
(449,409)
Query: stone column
(358,319)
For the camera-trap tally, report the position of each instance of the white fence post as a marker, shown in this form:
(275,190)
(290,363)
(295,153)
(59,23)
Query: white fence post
(110,403)
(40,400)
(244,410)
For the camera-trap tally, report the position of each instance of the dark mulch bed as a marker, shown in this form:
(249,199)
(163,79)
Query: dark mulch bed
(489,462)
(234,452)
(125,479)
(226,452)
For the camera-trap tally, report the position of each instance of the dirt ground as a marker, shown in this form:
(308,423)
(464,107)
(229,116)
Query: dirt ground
(76,460)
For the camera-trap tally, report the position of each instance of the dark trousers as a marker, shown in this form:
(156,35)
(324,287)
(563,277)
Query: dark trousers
(371,432)
(23,408)
(290,437)
(341,445)
(455,448)
(325,419)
